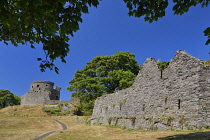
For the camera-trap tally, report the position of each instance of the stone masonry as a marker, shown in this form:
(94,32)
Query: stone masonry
(179,99)
(40,93)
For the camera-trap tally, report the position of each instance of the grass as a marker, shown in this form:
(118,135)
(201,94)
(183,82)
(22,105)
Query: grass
(25,111)
(15,124)
(206,63)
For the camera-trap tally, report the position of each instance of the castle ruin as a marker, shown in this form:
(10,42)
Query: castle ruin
(176,98)
(40,93)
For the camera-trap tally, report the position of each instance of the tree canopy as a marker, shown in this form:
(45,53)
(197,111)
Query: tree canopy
(103,75)
(52,23)
(163,65)
(8,99)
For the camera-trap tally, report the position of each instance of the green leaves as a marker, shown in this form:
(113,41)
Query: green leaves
(104,74)
(207,33)
(53,23)
(163,65)
(152,10)
(50,23)
(8,99)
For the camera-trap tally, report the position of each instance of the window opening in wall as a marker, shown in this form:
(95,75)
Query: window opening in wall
(56,98)
(37,85)
(39,88)
(32,86)
(143,109)
(179,104)
(166,98)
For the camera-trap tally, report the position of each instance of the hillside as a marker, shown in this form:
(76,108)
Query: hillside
(24,111)
(30,122)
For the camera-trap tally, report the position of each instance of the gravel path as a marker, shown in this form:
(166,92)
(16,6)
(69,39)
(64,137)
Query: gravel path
(45,135)
(62,124)
(64,127)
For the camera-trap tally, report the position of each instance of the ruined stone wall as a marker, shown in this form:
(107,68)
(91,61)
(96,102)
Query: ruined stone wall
(40,93)
(180,99)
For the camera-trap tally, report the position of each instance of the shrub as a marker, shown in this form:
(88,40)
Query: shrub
(53,110)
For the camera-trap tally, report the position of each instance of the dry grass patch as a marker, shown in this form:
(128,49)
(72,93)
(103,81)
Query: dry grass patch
(206,63)
(25,111)
(77,131)
(13,126)
(25,123)
(22,128)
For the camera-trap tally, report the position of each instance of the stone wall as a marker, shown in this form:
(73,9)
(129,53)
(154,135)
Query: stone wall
(40,93)
(179,99)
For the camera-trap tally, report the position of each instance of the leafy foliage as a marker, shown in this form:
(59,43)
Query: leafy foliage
(163,65)
(52,23)
(41,21)
(8,99)
(104,74)
(52,111)
(152,10)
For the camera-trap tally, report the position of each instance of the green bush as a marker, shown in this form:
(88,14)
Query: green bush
(53,110)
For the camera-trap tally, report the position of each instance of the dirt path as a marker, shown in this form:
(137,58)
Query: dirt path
(64,127)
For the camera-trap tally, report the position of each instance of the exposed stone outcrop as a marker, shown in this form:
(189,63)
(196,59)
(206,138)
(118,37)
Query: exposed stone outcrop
(180,99)
(40,93)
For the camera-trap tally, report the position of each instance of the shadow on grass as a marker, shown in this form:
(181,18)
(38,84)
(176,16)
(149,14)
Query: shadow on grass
(190,136)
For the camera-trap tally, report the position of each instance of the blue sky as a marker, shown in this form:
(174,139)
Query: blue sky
(107,30)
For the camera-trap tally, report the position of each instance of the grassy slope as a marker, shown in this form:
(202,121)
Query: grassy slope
(29,122)
(25,123)
(78,131)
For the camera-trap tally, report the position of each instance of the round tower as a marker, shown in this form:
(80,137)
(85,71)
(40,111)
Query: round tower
(41,86)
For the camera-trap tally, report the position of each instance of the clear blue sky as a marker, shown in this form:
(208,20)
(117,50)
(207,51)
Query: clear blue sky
(107,30)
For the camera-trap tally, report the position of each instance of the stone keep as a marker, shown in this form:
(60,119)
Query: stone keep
(40,93)
(176,98)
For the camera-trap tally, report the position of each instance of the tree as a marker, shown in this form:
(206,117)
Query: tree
(8,99)
(53,22)
(162,65)
(104,75)
(42,21)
